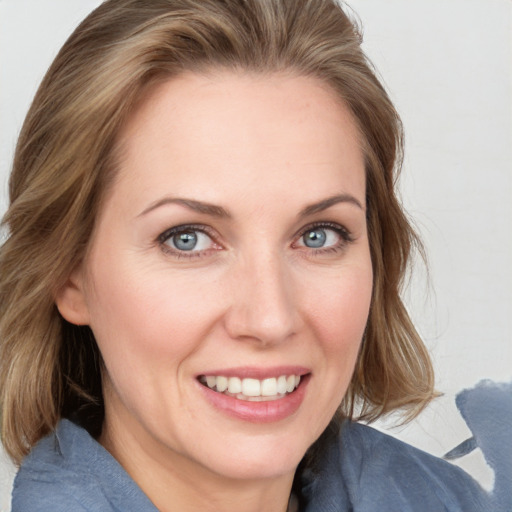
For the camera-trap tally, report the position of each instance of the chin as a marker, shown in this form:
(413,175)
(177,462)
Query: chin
(258,467)
(258,457)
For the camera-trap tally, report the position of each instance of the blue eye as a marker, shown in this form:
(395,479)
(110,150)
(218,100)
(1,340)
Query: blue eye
(315,238)
(320,237)
(186,239)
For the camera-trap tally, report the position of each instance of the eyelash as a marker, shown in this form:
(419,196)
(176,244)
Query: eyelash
(345,239)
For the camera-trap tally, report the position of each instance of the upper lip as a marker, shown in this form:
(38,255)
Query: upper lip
(260,373)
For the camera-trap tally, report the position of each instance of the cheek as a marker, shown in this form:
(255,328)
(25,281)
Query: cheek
(143,315)
(146,328)
(339,309)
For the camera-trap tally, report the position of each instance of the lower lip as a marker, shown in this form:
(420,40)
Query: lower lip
(258,412)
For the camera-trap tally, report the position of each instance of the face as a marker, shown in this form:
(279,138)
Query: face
(229,278)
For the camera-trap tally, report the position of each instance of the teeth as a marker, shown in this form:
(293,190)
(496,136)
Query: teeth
(290,383)
(269,387)
(222,384)
(281,385)
(234,385)
(252,389)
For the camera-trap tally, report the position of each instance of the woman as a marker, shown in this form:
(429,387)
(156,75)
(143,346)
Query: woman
(201,279)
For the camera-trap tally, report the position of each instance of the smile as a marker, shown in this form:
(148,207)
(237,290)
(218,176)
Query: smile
(252,390)
(256,394)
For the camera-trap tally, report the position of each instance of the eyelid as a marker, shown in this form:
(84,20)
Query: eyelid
(339,228)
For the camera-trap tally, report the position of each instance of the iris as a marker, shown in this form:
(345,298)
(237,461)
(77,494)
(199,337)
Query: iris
(315,238)
(185,241)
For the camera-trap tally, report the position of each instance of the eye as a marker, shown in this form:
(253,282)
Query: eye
(324,236)
(187,239)
(319,237)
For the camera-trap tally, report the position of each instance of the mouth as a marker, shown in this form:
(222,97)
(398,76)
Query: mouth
(251,389)
(256,395)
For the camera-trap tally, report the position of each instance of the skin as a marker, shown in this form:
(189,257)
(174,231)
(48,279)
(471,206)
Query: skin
(264,149)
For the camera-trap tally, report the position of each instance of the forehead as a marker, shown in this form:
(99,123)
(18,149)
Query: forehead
(257,131)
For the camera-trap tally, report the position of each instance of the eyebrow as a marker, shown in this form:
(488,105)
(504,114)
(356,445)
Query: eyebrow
(191,204)
(330,201)
(218,211)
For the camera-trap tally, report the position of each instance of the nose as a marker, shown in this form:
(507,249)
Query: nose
(263,302)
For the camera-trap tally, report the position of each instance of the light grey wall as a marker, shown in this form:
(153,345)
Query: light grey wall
(448,67)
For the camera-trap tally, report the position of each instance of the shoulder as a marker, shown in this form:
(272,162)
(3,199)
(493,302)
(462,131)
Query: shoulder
(365,467)
(43,497)
(69,471)
(392,467)
(379,453)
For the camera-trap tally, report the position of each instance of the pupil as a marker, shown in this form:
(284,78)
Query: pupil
(185,241)
(315,238)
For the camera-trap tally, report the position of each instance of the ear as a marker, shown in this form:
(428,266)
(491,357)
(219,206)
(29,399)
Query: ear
(71,299)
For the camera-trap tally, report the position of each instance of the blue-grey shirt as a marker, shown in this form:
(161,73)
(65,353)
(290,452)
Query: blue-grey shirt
(364,470)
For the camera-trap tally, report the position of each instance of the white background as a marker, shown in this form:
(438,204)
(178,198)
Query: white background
(448,67)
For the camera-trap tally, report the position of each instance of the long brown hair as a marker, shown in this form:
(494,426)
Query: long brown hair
(65,160)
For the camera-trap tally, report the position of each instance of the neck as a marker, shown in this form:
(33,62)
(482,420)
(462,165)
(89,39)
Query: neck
(174,482)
